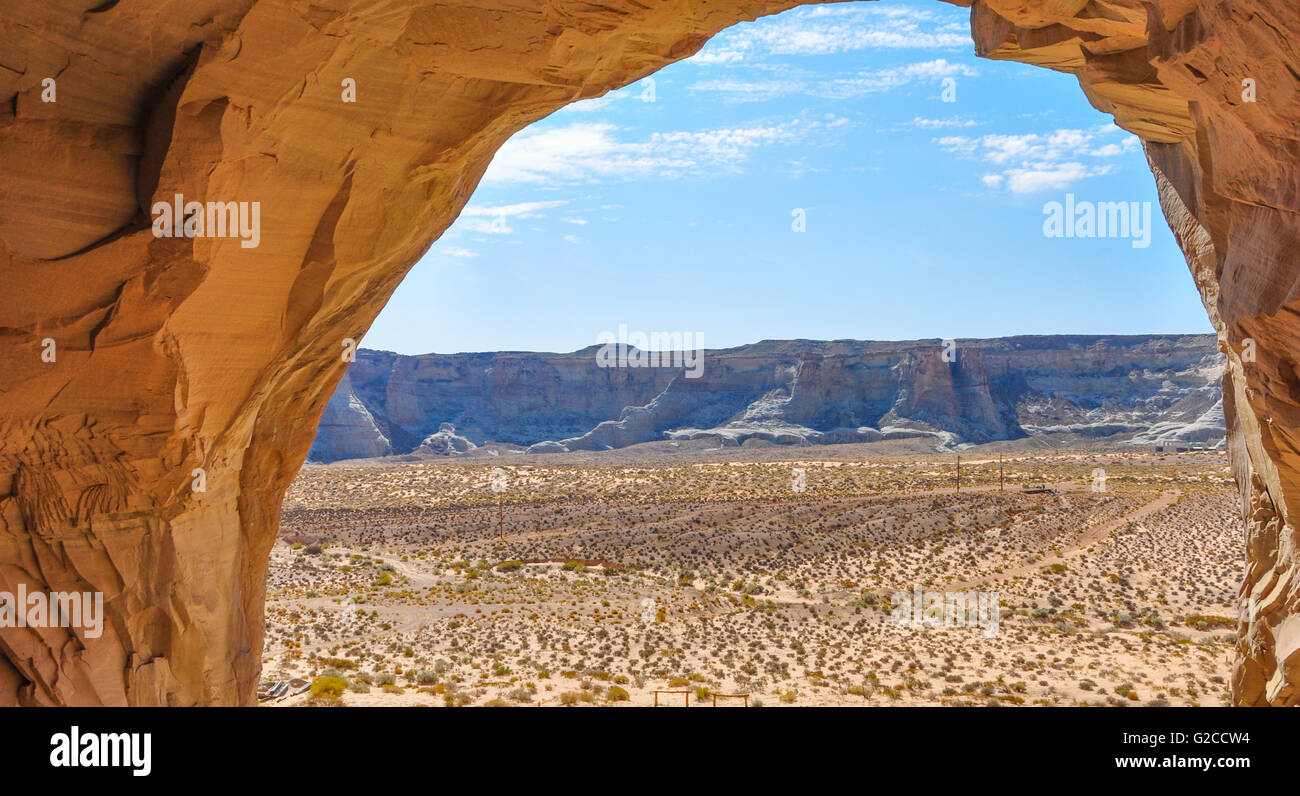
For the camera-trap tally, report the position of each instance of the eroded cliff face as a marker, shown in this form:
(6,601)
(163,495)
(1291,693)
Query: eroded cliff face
(158,394)
(1144,388)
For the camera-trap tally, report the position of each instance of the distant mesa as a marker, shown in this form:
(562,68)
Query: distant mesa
(1149,390)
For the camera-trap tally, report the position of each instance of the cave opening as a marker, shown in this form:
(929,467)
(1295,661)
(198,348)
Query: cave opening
(500,274)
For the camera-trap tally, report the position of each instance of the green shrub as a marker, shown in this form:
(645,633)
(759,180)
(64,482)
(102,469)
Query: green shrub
(328,687)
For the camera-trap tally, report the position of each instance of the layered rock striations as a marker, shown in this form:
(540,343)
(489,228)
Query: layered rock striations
(1153,389)
(157,394)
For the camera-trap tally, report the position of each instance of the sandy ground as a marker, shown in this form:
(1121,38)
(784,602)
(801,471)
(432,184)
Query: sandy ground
(727,573)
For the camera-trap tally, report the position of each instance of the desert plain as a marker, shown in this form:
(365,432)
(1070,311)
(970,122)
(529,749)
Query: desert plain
(759,576)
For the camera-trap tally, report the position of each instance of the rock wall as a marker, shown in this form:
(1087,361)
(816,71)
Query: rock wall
(1145,388)
(137,369)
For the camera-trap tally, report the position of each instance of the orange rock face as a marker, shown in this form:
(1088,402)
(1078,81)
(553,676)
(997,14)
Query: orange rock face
(158,394)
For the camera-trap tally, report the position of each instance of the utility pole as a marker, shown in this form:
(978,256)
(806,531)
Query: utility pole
(1000,489)
(959,472)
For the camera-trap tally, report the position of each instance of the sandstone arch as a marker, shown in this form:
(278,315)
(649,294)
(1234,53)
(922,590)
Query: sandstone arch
(177,354)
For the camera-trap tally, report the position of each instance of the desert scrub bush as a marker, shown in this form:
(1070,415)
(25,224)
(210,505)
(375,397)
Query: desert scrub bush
(359,688)
(331,688)
(789,697)
(570,698)
(509,566)
(426,677)
(457,699)
(520,695)
(617,694)
(386,679)
(679,682)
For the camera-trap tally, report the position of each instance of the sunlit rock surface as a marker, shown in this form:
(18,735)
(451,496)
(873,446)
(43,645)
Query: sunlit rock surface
(177,355)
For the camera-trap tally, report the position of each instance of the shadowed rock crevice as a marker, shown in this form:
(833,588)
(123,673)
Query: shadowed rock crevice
(177,356)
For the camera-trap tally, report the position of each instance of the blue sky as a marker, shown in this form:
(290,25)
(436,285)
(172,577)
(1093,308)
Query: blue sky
(670,206)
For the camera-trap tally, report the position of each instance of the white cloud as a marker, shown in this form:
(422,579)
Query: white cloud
(826,30)
(493,220)
(867,81)
(455,251)
(495,227)
(1054,177)
(520,210)
(935,124)
(719,55)
(572,238)
(1042,161)
(587,151)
